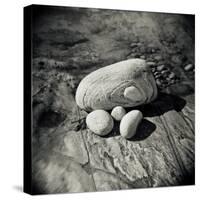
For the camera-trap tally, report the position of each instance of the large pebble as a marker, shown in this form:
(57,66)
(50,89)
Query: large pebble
(118,113)
(128,83)
(129,123)
(100,122)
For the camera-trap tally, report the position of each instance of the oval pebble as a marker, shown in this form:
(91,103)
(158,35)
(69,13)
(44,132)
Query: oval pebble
(161,67)
(151,64)
(156,73)
(118,113)
(188,67)
(139,44)
(133,45)
(171,75)
(129,123)
(158,76)
(158,83)
(164,71)
(100,122)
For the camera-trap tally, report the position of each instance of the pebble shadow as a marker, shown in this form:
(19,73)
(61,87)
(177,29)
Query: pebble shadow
(145,129)
(114,132)
(163,103)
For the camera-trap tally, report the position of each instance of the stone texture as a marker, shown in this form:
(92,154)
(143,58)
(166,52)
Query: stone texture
(79,154)
(56,174)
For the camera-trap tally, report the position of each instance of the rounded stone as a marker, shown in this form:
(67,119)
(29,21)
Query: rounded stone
(118,113)
(142,57)
(100,122)
(133,45)
(105,88)
(161,67)
(165,71)
(129,123)
(158,57)
(188,67)
(151,64)
(171,75)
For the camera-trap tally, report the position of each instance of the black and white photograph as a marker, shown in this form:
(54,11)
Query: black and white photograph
(111,102)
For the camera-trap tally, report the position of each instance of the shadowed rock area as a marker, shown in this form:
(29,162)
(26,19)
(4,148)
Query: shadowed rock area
(68,44)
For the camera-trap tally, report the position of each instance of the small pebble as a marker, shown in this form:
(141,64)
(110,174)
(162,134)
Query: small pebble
(171,75)
(153,70)
(100,122)
(165,71)
(188,67)
(133,45)
(139,44)
(157,76)
(118,113)
(158,83)
(142,57)
(161,67)
(151,64)
(129,123)
(156,73)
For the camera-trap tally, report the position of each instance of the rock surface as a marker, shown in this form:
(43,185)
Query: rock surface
(67,156)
